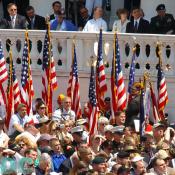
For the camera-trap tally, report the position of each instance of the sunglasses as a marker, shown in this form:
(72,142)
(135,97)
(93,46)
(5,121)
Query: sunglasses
(13,9)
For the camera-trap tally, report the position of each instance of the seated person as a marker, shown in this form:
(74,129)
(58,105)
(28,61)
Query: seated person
(61,24)
(66,113)
(97,23)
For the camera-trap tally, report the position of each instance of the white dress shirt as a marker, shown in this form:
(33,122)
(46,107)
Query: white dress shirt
(94,25)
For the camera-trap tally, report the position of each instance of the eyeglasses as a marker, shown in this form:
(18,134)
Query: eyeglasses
(22,145)
(13,9)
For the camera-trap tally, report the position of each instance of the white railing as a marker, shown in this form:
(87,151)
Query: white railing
(62,51)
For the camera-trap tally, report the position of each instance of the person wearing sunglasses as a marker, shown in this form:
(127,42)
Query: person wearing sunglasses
(13,20)
(66,113)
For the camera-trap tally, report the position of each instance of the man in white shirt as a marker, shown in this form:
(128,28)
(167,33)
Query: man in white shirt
(18,121)
(66,113)
(97,23)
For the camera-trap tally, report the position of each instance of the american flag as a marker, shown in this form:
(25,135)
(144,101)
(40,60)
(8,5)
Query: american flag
(13,92)
(73,90)
(119,99)
(49,80)
(131,76)
(3,76)
(154,104)
(162,90)
(27,91)
(101,86)
(92,104)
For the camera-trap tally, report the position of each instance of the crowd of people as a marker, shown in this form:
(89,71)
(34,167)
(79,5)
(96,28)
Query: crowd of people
(91,16)
(61,144)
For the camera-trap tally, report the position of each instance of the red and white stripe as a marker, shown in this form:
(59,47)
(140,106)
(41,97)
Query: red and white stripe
(3,70)
(163,95)
(16,94)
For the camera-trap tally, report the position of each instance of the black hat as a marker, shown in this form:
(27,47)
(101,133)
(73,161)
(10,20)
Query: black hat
(108,99)
(98,160)
(160,7)
(123,154)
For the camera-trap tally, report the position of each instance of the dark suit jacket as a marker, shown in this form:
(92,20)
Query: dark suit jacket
(39,23)
(143,27)
(66,166)
(20,22)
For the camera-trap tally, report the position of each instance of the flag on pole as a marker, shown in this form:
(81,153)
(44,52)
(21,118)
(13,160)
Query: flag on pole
(162,88)
(3,69)
(131,75)
(154,104)
(13,92)
(92,104)
(142,114)
(27,91)
(73,90)
(119,99)
(49,80)
(101,86)
(3,76)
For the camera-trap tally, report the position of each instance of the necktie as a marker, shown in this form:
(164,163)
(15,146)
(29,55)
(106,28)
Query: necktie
(32,23)
(135,27)
(13,22)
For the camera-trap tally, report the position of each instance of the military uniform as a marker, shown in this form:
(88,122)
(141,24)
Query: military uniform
(162,24)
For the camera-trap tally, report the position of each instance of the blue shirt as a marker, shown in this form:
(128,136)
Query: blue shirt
(57,160)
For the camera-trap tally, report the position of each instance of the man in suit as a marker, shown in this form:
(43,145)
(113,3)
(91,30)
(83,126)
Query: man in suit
(35,22)
(56,9)
(21,4)
(163,23)
(138,24)
(13,21)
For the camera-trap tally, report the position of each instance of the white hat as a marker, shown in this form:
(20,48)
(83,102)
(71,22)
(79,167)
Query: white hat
(156,125)
(76,129)
(108,128)
(103,120)
(118,129)
(81,121)
(137,158)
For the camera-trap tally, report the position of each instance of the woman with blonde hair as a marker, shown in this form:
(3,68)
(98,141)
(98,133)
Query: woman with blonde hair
(24,143)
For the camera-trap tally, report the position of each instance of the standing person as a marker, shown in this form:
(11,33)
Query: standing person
(163,23)
(138,24)
(97,23)
(35,22)
(14,20)
(56,9)
(120,25)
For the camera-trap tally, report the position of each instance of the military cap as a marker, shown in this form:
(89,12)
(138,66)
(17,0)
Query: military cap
(108,99)
(156,125)
(81,121)
(76,129)
(118,129)
(123,154)
(160,7)
(98,160)
(137,158)
(108,128)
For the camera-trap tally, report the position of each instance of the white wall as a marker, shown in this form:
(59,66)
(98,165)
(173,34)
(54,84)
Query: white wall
(149,7)
(44,7)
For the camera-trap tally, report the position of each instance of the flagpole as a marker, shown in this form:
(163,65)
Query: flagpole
(29,73)
(9,89)
(49,82)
